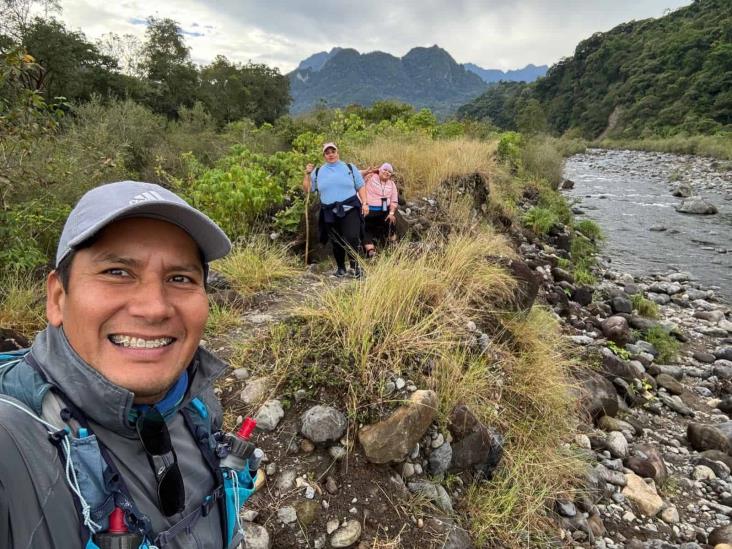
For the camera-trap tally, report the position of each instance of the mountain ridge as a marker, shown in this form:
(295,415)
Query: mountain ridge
(423,77)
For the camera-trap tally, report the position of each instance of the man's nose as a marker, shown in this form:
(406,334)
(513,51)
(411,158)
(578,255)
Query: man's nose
(150,300)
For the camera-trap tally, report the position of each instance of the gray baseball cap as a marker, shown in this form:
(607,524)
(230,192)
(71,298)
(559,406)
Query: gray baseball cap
(101,206)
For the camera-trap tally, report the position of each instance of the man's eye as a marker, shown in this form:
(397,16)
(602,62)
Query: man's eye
(182,279)
(116,272)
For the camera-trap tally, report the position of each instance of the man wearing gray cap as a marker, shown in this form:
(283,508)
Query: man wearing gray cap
(109,425)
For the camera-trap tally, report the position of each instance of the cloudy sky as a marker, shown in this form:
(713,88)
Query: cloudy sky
(502,34)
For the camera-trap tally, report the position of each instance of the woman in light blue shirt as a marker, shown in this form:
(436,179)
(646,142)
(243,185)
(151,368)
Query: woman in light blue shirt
(343,206)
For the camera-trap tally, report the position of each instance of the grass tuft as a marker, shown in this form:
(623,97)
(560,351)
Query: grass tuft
(645,307)
(221,319)
(536,411)
(589,228)
(21,303)
(666,344)
(539,220)
(257,265)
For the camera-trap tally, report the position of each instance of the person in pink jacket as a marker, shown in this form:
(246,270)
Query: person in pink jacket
(383,200)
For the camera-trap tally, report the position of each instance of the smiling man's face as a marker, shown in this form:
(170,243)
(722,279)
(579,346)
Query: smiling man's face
(135,306)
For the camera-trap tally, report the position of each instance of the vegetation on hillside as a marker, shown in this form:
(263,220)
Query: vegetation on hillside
(643,78)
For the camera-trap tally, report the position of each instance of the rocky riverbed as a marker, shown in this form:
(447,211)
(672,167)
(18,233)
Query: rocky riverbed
(639,199)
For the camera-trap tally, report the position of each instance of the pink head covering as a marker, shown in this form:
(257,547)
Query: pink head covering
(386,167)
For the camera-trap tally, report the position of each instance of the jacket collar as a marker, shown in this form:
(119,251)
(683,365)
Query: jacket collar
(102,401)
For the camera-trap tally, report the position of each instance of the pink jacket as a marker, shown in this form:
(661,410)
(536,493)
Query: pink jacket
(376,190)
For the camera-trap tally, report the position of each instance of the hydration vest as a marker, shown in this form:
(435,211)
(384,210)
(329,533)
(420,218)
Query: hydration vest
(92,476)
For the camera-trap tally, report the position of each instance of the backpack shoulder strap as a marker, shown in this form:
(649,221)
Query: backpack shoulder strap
(19,380)
(350,169)
(315,178)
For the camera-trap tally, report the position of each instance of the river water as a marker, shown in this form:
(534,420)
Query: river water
(629,192)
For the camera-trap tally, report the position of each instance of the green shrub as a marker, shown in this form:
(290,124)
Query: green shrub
(666,344)
(645,307)
(554,201)
(509,148)
(29,232)
(619,351)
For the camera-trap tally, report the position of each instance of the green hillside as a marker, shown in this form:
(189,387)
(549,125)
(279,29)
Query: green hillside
(656,76)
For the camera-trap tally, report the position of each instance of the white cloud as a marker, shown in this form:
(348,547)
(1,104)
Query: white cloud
(500,34)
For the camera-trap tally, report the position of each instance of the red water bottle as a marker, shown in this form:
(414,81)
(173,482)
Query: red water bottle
(241,446)
(117,535)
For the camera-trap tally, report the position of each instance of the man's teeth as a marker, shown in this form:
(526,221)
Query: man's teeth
(139,343)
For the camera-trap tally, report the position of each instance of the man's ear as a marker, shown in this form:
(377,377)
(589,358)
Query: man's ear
(55,297)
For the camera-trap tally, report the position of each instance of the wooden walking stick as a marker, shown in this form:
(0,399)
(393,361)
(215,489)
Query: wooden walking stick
(307,228)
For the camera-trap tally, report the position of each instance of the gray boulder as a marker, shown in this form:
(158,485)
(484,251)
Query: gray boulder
(323,423)
(616,329)
(696,205)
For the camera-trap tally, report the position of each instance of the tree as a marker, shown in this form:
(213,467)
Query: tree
(16,16)
(531,118)
(232,91)
(167,65)
(72,67)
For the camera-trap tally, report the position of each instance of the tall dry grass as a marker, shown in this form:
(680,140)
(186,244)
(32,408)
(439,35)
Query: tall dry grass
(537,414)
(413,303)
(256,265)
(422,163)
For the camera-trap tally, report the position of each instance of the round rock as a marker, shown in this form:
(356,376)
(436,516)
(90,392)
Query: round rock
(256,536)
(323,423)
(269,415)
(346,535)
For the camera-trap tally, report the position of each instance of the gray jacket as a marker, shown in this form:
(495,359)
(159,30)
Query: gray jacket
(37,509)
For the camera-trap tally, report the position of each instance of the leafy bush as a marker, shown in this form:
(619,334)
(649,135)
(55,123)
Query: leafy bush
(509,148)
(29,232)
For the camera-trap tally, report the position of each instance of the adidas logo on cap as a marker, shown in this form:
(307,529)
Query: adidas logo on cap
(144,197)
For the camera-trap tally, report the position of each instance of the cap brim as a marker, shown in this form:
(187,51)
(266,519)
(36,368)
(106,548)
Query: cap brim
(209,237)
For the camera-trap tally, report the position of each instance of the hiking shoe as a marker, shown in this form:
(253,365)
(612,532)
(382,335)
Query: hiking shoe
(340,272)
(357,272)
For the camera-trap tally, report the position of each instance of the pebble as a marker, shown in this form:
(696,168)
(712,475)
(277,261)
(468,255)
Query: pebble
(347,535)
(287,515)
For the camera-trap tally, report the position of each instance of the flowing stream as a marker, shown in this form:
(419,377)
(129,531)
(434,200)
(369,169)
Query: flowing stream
(629,194)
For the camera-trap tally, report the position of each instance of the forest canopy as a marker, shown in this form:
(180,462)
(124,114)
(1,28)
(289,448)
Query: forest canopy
(652,77)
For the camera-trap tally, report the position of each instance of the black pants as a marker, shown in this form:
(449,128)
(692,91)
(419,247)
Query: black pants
(345,234)
(377,227)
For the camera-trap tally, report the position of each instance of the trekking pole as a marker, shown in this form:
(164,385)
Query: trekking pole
(307,228)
